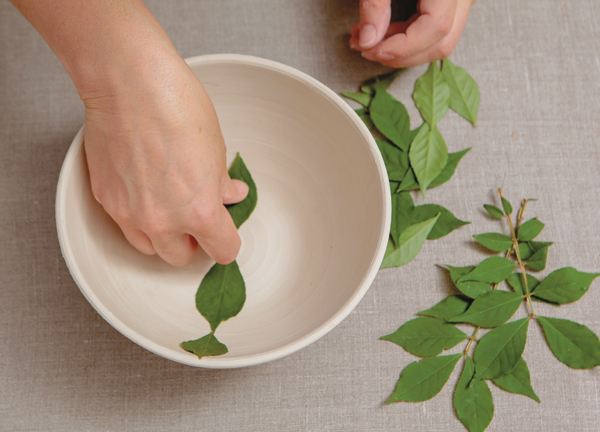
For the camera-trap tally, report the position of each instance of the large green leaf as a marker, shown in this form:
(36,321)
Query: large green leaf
(390,117)
(428,156)
(573,344)
(422,380)
(450,307)
(564,285)
(445,224)
(490,270)
(409,244)
(500,349)
(368,86)
(402,207)
(530,230)
(491,309)
(241,211)
(396,160)
(426,337)
(205,346)
(221,294)
(432,95)
(464,91)
(474,404)
(517,381)
(494,241)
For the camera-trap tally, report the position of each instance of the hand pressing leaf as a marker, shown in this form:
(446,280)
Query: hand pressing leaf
(573,344)
(409,244)
(205,346)
(241,211)
(445,224)
(518,381)
(564,285)
(491,309)
(474,404)
(426,337)
(464,91)
(450,307)
(491,270)
(386,80)
(494,241)
(428,156)
(432,95)
(390,117)
(424,379)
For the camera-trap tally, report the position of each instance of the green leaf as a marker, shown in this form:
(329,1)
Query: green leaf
(464,91)
(445,224)
(494,241)
(396,160)
(451,306)
(518,381)
(426,337)
(205,346)
(573,344)
(390,249)
(515,281)
(432,95)
(362,98)
(241,211)
(493,211)
(409,244)
(537,261)
(424,379)
(402,207)
(221,294)
(457,272)
(491,270)
(473,289)
(428,156)
(491,309)
(525,252)
(386,81)
(474,404)
(564,285)
(390,117)
(409,182)
(365,117)
(506,206)
(500,349)
(530,230)
(448,171)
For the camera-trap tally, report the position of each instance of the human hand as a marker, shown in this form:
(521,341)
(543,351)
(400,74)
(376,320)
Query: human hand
(429,35)
(157,163)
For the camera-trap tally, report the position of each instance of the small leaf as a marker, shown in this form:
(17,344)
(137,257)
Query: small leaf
(491,270)
(362,98)
(506,206)
(241,211)
(500,349)
(457,272)
(515,281)
(494,241)
(451,306)
(424,379)
(409,182)
(426,337)
(518,381)
(474,404)
(410,243)
(448,171)
(205,346)
(221,294)
(493,211)
(365,117)
(402,207)
(491,309)
(390,117)
(396,160)
(445,224)
(530,230)
(386,81)
(428,156)
(473,289)
(464,91)
(537,261)
(432,95)
(564,285)
(525,252)
(573,344)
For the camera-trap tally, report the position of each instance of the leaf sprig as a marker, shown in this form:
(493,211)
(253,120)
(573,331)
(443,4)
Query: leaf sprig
(417,159)
(480,302)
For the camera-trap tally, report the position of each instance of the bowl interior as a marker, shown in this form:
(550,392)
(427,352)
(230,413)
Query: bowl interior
(309,251)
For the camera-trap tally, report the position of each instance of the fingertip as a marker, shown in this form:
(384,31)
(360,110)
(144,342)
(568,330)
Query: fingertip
(242,188)
(368,36)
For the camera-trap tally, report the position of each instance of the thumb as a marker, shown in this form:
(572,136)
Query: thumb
(375,18)
(232,191)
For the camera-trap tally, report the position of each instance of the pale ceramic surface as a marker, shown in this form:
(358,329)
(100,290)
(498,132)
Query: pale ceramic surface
(309,251)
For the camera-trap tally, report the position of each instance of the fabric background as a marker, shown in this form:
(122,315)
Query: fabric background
(63,368)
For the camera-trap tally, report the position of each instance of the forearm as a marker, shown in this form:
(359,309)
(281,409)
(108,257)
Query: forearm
(92,38)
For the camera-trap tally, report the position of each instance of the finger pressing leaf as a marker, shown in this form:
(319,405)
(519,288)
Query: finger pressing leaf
(464,91)
(450,307)
(491,270)
(573,344)
(205,346)
(530,230)
(491,309)
(474,404)
(432,95)
(241,211)
(564,285)
(518,381)
(445,224)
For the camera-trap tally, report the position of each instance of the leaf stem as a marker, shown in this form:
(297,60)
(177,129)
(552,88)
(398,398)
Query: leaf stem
(471,339)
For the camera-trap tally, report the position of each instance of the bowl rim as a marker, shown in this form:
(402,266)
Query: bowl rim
(251,360)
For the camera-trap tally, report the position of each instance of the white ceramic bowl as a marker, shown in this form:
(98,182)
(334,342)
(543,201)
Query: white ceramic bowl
(309,251)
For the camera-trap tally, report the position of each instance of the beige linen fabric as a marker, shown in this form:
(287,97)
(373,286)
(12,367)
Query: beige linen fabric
(63,368)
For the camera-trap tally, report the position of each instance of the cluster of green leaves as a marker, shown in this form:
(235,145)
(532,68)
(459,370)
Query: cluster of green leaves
(417,159)
(222,292)
(480,302)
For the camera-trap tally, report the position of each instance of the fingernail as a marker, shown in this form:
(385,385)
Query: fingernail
(384,56)
(369,56)
(368,34)
(241,187)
